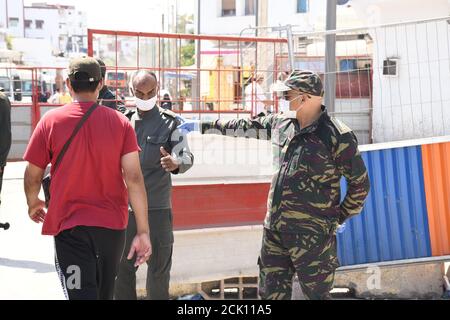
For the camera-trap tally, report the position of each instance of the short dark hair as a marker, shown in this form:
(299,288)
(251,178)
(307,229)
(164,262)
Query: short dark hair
(82,84)
(142,73)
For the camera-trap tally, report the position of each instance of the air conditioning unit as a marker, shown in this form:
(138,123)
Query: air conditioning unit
(390,67)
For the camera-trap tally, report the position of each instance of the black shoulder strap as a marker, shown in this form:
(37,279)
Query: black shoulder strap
(74,133)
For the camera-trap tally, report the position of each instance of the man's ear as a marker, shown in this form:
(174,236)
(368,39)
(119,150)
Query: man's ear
(100,85)
(69,85)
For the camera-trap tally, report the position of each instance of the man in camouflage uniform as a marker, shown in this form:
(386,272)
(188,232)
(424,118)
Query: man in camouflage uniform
(311,153)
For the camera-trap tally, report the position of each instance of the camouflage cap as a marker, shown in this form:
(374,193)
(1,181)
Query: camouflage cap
(301,80)
(87,65)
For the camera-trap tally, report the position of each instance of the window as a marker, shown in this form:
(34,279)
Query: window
(228,8)
(116,76)
(348,65)
(390,67)
(28,24)
(302,6)
(13,22)
(39,24)
(250,7)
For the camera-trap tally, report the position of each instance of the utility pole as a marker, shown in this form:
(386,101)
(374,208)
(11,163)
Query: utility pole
(256,17)
(198,56)
(330,57)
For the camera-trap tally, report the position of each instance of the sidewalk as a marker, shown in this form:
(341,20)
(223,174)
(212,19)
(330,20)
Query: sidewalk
(26,257)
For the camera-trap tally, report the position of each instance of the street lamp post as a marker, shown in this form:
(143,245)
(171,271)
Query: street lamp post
(330,57)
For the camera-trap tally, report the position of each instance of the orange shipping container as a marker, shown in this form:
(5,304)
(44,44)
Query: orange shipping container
(436,168)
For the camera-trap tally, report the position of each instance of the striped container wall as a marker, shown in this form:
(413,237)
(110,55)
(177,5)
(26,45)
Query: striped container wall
(394,222)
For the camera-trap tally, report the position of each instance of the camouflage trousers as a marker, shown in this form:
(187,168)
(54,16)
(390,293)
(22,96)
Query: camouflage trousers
(311,253)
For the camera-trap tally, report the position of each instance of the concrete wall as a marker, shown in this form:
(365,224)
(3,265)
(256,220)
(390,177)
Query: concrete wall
(356,114)
(20,130)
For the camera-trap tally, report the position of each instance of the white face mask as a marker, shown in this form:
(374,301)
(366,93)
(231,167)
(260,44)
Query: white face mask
(146,105)
(292,114)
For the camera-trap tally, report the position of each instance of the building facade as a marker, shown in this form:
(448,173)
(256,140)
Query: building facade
(64,26)
(12,17)
(232,16)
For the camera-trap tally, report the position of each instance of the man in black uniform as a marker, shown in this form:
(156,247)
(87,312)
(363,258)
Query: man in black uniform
(164,152)
(106,97)
(5,133)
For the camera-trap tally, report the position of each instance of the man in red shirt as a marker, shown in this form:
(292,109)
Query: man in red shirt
(88,210)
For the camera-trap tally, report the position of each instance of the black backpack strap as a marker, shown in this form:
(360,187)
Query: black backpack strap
(74,133)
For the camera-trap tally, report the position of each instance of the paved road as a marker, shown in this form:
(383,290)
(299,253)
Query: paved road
(26,257)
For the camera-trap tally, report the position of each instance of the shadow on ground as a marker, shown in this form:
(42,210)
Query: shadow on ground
(38,267)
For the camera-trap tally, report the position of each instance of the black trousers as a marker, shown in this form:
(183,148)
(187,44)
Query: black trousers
(87,260)
(159,264)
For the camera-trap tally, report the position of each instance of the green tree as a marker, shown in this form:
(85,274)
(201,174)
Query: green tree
(187,47)
(187,54)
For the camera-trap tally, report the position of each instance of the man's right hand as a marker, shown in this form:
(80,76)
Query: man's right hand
(142,247)
(36,211)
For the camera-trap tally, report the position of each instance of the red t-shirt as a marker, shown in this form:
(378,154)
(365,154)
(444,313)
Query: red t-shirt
(88,188)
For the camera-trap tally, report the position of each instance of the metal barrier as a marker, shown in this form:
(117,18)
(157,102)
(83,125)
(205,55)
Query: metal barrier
(29,89)
(218,82)
(388,88)
(201,74)
(391,79)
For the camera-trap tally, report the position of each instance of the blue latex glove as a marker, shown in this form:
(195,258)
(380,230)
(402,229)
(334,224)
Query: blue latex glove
(341,228)
(188,125)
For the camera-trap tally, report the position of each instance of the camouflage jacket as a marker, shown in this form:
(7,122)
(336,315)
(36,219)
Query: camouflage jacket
(308,166)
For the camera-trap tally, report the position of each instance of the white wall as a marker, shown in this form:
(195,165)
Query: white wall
(2,14)
(416,104)
(213,23)
(50,28)
(375,12)
(59,25)
(279,13)
(15,10)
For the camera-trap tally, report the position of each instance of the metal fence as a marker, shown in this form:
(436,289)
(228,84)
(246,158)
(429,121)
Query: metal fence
(392,79)
(201,74)
(31,91)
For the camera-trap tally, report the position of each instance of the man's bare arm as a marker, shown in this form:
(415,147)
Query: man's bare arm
(138,199)
(32,186)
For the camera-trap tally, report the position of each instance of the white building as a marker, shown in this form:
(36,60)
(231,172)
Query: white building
(12,17)
(411,68)
(64,26)
(42,23)
(232,16)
